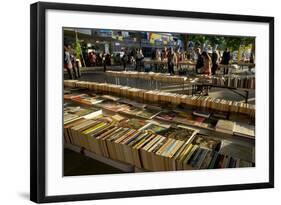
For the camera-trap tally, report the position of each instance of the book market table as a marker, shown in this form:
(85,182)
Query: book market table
(190,83)
(114,154)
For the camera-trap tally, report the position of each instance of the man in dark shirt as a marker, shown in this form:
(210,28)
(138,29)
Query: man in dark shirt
(225,60)
(200,61)
(225,57)
(171,57)
(215,61)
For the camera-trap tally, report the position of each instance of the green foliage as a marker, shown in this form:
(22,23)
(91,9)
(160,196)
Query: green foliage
(77,48)
(230,42)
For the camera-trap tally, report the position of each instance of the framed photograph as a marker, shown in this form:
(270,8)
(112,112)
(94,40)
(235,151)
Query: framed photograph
(129,102)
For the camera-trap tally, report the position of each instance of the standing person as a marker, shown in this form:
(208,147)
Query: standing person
(136,57)
(252,58)
(67,62)
(178,56)
(158,55)
(78,66)
(199,62)
(139,59)
(99,60)
(153,54)
(92,58)
(133,56)
(225,60)
(215,61)
(108,59)
(104,61)
(132,60)
(163,58)
(125,59)
(164,54)
(153,58)
(89,59)
(251,61)
(207,64)
(158,60)
(172,60)
(206,69)
(75,66)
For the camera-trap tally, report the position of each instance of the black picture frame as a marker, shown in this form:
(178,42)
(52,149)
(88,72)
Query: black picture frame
(38,100)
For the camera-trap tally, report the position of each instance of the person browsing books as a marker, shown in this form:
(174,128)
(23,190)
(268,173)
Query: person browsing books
(172,60)
(199,62)
(207,64)
(67,62)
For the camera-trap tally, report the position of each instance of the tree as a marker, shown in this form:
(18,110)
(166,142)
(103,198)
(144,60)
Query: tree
(231,42)
(78,49)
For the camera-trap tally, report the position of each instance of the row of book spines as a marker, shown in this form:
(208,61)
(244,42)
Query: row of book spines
(238,81)
(166,154)
(140,139)
(249,83)
(110,148)
(148,76)
(156,96)
(80,101)
(203,159)
(160,76)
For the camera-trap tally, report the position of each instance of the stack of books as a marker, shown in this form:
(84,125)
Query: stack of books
(133,123)
(112,106)
(167,115)
(71,96)
(70,83)
(87,100)
(79,111)
(179,132)
(207,142)
(200,113)
(225,126)
(68,117)
(155,127)
(244,130)
(236,128)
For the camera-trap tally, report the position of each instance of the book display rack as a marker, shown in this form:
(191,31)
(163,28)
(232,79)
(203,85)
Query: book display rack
(156,96)
(135,129)
(232,81)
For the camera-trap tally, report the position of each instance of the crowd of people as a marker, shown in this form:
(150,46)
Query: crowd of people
(134,57)
(206,62)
